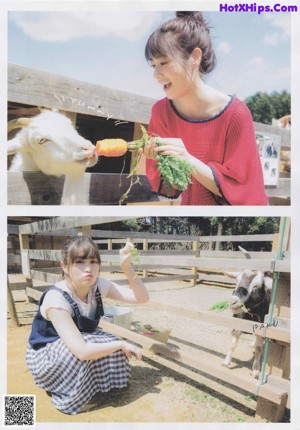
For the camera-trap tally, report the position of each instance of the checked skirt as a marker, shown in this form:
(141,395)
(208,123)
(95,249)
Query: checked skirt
(71,382)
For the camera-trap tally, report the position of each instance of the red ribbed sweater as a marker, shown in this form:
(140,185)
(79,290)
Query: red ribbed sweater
(225,142)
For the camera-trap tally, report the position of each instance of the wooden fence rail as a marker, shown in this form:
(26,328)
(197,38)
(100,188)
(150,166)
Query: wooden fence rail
(182,261)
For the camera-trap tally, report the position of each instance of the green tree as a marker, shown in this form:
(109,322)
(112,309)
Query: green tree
(264,107)
(244,226)
(281,103)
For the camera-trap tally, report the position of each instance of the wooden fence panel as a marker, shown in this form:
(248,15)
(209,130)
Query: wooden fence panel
(26,85)
(35,188)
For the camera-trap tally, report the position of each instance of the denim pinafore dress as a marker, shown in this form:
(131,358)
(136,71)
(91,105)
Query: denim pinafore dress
(71,383)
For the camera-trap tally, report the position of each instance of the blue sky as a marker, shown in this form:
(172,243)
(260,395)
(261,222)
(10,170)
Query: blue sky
(107,48)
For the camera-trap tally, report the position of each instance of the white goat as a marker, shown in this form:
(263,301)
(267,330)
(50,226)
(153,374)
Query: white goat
(49,143)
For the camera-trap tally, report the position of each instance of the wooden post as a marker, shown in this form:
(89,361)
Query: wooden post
(71,115)
(219,233)
(145,248)
(11,306)
(194,270)
(278,360)
(25,261)
(85,230)
(109,244)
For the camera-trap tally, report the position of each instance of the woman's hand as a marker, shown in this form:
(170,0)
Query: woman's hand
(125,256)
(165,146)
(148,149)
(130,349)
(171,146)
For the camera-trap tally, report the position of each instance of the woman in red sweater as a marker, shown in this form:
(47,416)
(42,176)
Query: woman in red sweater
(214,132)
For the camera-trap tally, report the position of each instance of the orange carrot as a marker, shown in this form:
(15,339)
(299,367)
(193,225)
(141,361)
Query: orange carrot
(118,147)
(111,147)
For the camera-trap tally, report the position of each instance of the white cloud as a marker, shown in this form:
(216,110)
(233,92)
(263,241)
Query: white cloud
(281,21)
(66,26)
(271,39)
(256,62)
(224,47)
(282,24)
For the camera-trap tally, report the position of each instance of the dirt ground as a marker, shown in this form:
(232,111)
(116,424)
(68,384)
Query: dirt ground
(156,393)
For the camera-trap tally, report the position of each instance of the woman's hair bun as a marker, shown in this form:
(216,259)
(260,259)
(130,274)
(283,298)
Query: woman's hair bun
(184,14)
(191,15)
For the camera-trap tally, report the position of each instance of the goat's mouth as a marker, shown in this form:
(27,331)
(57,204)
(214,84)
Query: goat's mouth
(88,161)
(236,310)
(87,157)
(236,307)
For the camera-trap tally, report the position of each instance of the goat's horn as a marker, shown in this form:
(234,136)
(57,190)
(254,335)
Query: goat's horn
(18,123)
(246,253)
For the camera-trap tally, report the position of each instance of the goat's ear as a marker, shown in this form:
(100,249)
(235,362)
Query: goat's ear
(18,123)
(232,274)
(14,145)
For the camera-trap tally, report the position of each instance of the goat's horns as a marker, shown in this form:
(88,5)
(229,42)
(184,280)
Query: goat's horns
(246,253)
(18,123)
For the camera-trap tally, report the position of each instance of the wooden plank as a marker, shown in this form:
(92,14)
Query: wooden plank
(283,189)
(65,222)
(26,85)
(139,237)
(281,383)
(38,88)
(43,275)
(153,252)
(154,237)
(279,201)
(53,276)
(18,282)
(203,254)
(11,306)
(36,293)
(153,279)
(44,254)
(275,333)
(35,188)
(202,277)
(13,259)
(285,135)
(182,261)
(221,264)
(245,382)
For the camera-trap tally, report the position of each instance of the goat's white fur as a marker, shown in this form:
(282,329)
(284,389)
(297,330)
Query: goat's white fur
(51,144)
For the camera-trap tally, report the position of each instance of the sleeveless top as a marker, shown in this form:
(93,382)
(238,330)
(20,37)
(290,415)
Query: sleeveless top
(43,331)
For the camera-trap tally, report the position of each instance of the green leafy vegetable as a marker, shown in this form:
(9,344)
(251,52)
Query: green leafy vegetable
(135,255)
(174,171)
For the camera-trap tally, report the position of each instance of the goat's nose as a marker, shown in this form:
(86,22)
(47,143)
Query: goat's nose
(89,150)
(233,301)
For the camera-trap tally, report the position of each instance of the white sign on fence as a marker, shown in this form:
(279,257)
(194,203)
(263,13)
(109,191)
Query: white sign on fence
(269,150)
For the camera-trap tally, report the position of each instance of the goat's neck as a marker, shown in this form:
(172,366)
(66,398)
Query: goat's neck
(76,190)
(23,163)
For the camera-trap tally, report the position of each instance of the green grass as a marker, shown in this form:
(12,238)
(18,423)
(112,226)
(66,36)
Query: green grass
(221,306)
(249,398)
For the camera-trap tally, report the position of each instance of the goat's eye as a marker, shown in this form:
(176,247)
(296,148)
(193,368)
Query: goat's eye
(42,140)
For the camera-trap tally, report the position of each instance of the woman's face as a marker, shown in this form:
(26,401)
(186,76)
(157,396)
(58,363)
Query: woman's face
(178,80)
(83,272)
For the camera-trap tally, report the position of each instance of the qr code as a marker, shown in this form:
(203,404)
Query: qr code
(19,410)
